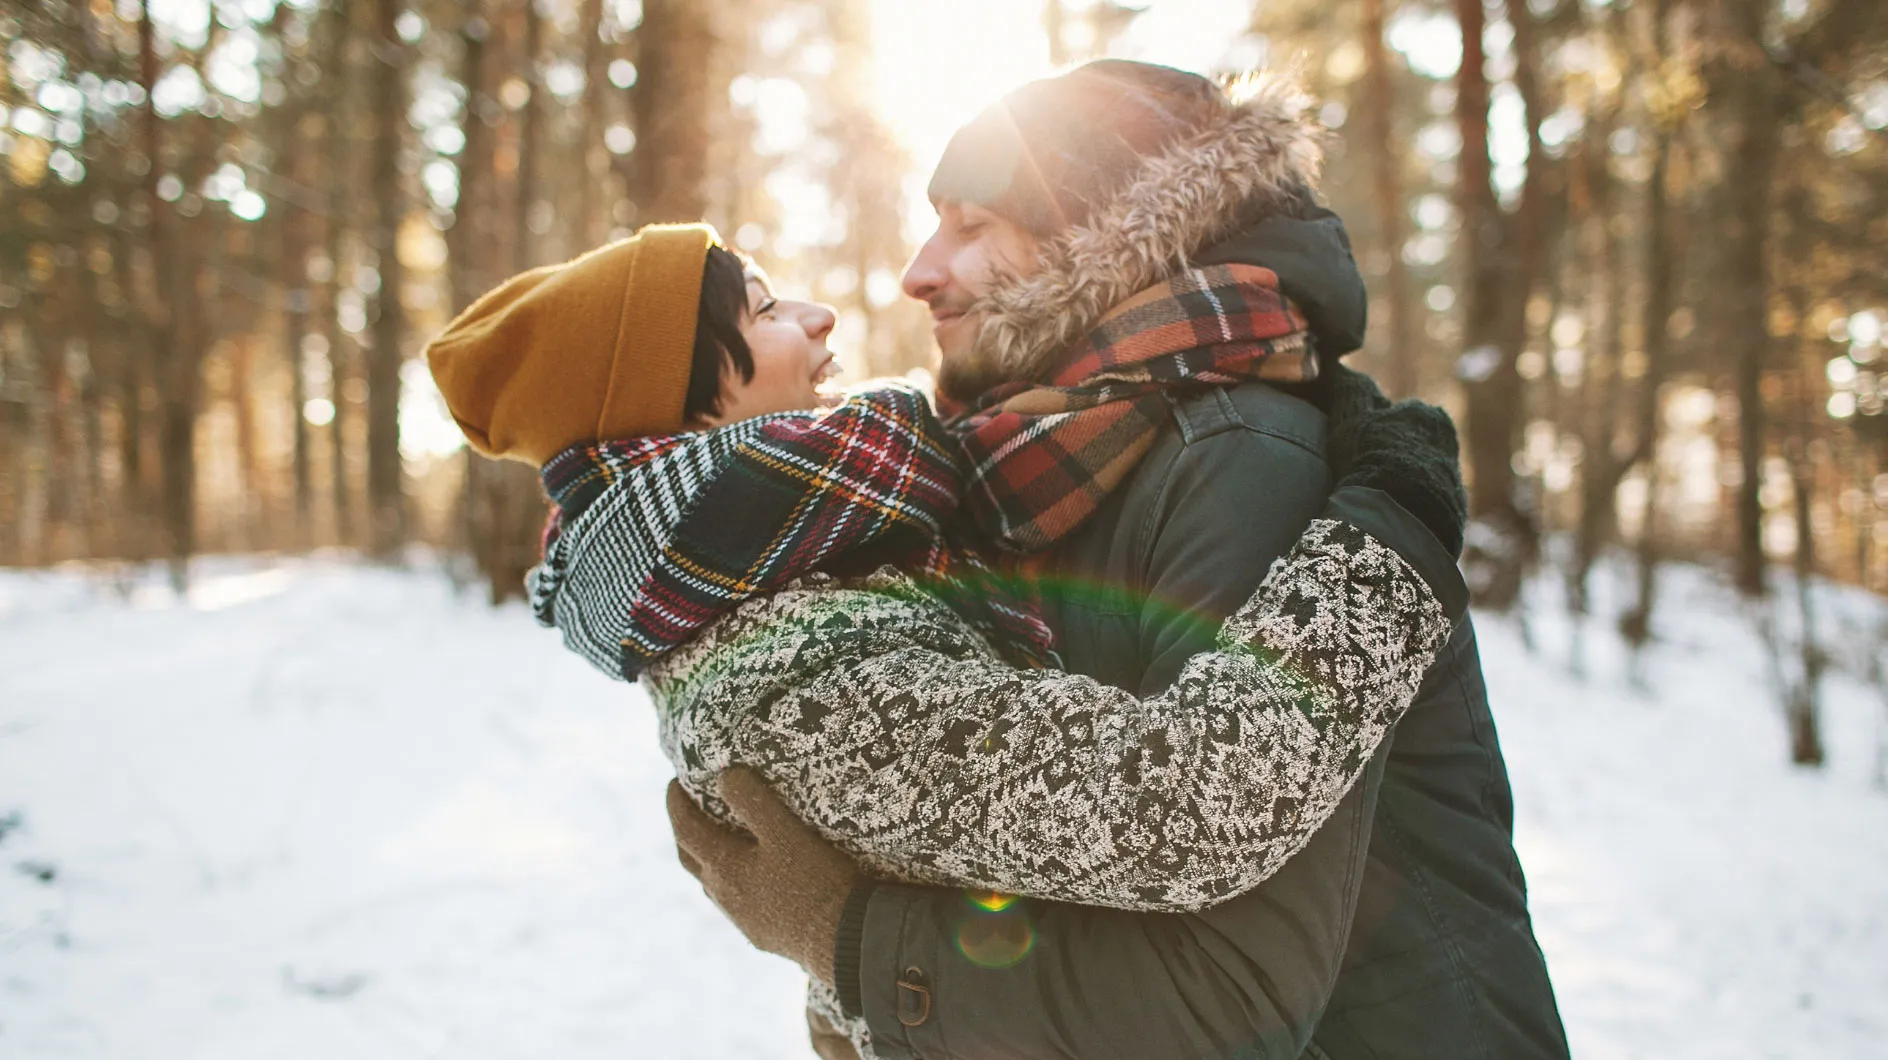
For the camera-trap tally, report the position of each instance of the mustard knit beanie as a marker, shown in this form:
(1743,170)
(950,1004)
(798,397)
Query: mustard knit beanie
(596,348)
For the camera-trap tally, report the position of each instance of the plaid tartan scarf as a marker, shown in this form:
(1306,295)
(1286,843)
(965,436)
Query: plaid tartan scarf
(1043,456)
(654,539)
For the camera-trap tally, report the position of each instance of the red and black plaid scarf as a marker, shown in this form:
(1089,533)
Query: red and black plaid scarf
(1043,456)
(693,524)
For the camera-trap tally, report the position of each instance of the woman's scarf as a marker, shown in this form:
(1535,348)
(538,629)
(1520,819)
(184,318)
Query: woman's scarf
(655,538)
(1043,456)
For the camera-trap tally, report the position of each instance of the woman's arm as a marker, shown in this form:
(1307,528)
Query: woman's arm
(932,760)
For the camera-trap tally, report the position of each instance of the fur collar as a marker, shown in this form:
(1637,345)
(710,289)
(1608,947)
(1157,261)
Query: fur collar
(1259,150)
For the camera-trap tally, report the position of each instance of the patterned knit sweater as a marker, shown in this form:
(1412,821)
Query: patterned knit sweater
(888,721)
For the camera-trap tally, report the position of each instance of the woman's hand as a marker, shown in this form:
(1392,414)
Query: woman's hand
(783,884)
(828,1043)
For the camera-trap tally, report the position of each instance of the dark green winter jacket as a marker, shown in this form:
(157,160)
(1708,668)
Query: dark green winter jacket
(1401,932)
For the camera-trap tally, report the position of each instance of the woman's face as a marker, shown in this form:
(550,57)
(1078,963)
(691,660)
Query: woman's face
(788,342)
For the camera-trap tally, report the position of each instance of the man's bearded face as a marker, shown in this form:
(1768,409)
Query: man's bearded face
(955,267)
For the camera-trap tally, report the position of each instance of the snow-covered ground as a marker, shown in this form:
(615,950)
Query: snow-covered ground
(316,810)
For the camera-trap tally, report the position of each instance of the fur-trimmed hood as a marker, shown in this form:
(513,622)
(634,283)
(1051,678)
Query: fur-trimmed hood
(1253,163)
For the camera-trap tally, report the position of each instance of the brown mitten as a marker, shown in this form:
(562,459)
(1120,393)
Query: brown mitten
(780,882)
(828,1043)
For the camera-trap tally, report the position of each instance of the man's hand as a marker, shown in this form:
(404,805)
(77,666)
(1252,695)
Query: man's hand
(780,882)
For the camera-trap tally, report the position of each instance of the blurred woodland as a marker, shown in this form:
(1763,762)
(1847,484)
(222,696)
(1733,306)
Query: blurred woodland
(1640,247)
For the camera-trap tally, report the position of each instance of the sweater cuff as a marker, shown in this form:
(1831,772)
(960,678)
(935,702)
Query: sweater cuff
(1377,514)
(847,945)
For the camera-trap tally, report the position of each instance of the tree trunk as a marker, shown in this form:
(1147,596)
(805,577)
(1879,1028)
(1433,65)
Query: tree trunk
(1753,156)
(586,230)
(468,247)
(501,505)
(251,490)
(337,156)
(132,535)
(1636,624)
(674,108)
(1491,382)
(340,373)
(530,135)
(1660,265)
(1601,468)
(504,512)
(175,339)
(296,238)
(296,332)
(386,492)
(1491,420)
(1804,711)
(1864,518)
(1525,250)
(1386,162)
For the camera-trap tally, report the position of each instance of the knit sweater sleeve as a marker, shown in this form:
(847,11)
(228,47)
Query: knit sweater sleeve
(898,734)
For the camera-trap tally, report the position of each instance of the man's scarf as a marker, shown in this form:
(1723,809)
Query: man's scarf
(1043,456)
(690,525)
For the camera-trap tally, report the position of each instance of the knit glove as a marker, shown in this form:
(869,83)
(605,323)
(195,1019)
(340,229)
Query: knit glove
(780,882)
(1406,449)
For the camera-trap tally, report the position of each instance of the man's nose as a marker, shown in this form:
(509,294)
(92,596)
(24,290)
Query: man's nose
(926,275)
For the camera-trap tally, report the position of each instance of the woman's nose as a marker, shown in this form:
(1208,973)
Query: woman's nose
(819,321)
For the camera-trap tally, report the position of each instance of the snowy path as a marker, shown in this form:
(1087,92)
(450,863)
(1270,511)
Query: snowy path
(1697,897)
(318,811)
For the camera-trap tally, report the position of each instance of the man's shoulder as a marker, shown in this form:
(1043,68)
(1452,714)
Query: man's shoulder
(1247,452)
(1249,415)
(1246,459)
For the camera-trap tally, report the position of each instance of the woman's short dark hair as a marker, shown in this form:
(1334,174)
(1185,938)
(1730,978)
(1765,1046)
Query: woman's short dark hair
(718,338)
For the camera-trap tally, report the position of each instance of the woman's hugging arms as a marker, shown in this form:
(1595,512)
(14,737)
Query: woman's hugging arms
(881,723)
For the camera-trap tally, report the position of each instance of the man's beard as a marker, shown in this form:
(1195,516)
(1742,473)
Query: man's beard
(965,376)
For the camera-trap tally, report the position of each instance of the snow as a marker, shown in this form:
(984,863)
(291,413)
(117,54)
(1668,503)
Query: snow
(1697,896)
(326,811)
(316,809)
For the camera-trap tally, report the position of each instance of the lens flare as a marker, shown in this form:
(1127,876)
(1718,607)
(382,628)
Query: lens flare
(990,901)
(996,940)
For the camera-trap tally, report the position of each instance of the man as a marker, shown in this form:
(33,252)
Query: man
(1402,929)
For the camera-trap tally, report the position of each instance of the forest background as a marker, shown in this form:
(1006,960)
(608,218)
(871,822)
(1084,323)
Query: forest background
(1638,247)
